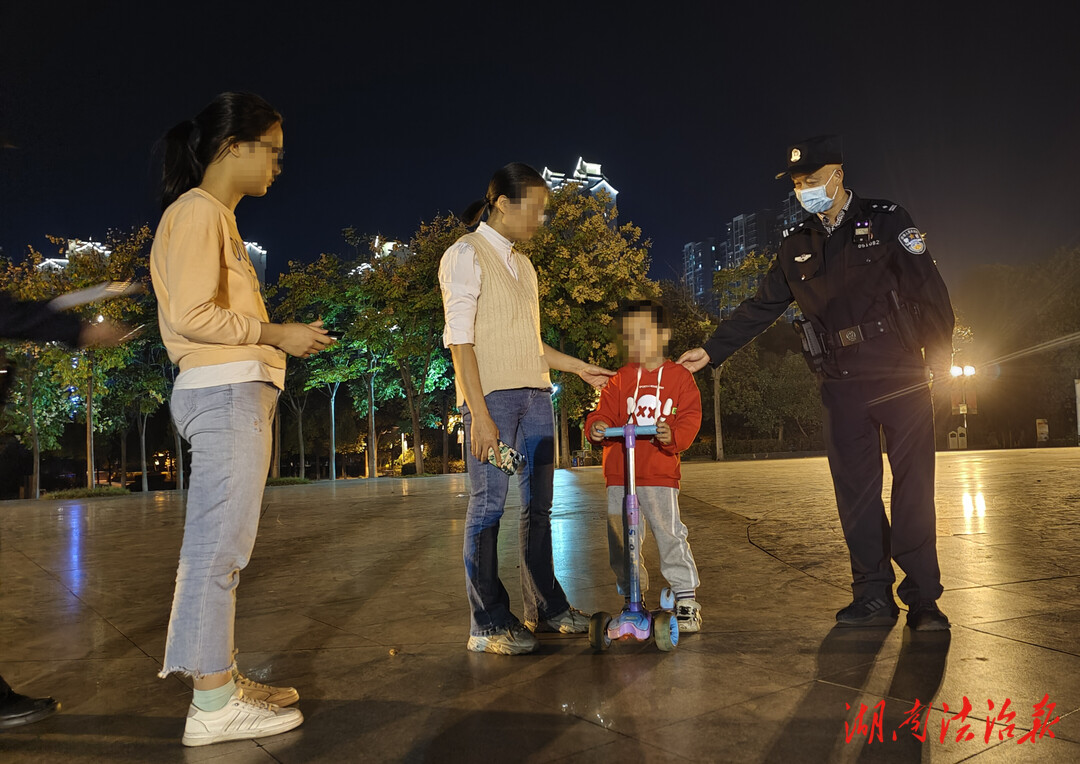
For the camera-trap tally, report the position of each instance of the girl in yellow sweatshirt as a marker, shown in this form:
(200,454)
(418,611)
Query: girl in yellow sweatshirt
(232,366)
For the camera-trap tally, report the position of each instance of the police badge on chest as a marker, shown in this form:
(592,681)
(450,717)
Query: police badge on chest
(864,235)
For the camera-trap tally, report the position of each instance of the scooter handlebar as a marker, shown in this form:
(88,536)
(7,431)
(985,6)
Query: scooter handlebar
(641,432)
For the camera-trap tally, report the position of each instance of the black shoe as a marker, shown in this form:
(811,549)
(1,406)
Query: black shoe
(869,611)
(925,616)
(17,710)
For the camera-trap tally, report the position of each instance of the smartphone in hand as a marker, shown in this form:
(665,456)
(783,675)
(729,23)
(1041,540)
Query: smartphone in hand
(507,459)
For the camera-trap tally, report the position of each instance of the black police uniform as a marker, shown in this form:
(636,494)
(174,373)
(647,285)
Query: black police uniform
(842,283)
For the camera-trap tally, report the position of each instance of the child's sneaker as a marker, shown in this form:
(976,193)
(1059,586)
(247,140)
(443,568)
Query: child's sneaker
(688,613)
(569,621)
(275,696)
(517,640)
(241,719)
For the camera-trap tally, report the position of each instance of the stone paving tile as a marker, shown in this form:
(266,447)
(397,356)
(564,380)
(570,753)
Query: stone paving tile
(355,595)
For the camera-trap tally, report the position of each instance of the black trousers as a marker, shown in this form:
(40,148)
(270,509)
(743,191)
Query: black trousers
(856,411)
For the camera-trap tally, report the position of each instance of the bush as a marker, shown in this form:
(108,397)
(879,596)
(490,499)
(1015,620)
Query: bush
(432,465)
(287,481)
(86,493)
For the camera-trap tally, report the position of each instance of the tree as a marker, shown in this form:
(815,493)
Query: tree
(138,390)
(295,398)
(732,286)
(402,312)
(321,290)
(691,326)
(38,408)
(84,374)
(586,264)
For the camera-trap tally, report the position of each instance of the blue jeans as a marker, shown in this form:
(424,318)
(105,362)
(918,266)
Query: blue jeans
(229,429)
(526,421)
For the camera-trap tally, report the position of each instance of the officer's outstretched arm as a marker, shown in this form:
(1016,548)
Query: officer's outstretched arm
(753,316)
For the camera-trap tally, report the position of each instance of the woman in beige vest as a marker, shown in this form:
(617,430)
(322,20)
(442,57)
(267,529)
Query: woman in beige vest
(504,392)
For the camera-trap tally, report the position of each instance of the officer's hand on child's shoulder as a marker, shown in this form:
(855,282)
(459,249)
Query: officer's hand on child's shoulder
(663,432)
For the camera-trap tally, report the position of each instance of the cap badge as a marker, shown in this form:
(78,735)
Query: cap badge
(796,155)
(803,258)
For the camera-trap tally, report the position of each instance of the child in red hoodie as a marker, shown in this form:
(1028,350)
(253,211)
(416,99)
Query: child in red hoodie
(650,389)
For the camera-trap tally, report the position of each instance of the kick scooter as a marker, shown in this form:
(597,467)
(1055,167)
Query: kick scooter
(635,622)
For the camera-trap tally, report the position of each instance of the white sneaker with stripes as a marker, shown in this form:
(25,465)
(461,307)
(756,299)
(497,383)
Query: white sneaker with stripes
(242,718)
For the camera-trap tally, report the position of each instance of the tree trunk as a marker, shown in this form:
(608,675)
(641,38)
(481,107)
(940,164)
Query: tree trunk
(123,456)
(564,441)
(90,423)
(178,462)
(37,444)
(445,435)
(780,435)
(564,427)
(333,431)
(142,451)
(716,415)
(315,466)
(373,440)
(418,443)
(412,396)
(275,463)
(300,443)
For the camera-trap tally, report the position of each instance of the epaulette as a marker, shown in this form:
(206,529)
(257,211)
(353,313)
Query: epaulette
(794,228)
(881,205)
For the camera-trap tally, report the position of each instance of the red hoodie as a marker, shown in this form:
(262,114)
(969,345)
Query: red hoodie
(677,401)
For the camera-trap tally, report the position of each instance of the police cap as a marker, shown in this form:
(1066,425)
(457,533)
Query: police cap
(813,154)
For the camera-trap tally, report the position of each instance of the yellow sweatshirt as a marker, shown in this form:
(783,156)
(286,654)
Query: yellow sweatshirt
(209,303)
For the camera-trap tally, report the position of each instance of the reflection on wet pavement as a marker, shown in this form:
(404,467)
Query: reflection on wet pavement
(355,596)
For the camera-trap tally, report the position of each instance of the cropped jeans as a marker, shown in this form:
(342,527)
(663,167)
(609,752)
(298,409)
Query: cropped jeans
(526,422)
(229,429)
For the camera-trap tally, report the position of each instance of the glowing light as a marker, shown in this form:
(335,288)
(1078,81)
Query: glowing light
(969,505)
(956,371)
(980,505)
(969,371)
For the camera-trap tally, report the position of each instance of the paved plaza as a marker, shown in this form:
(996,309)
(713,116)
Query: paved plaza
(355,596)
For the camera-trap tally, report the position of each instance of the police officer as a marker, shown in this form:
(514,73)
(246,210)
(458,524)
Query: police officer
(877,314)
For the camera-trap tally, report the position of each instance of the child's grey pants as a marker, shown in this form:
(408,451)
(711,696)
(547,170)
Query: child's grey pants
(659,511)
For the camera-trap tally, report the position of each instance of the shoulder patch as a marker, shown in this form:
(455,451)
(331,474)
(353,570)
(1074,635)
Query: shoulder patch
(912,240)
(882,205)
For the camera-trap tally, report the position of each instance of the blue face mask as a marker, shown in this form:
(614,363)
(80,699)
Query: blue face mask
(816,200)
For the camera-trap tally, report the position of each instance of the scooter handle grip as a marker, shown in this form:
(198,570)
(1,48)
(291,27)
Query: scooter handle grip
(641,432)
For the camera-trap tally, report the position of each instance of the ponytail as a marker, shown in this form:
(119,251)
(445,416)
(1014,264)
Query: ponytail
(512,181)
(191,146)
(181,168)
(472,214)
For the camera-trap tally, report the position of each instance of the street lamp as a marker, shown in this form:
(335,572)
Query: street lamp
(960,403)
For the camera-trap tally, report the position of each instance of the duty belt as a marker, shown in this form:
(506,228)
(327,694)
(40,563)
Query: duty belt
(853,335)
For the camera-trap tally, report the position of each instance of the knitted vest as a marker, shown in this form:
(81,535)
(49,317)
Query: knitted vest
(509,351)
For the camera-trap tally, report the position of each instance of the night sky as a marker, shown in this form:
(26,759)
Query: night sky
(968,118)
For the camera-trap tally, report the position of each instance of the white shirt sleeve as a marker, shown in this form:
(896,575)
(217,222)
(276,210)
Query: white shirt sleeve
(459,279)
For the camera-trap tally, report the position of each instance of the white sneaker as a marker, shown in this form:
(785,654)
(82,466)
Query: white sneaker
(569,621)
(517,640)
(241,719)
(275,696)
(688,613)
